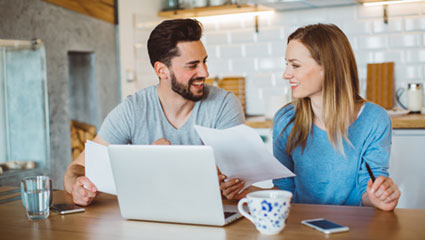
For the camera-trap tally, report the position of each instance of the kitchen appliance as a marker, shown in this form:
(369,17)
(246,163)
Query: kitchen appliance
(415,97)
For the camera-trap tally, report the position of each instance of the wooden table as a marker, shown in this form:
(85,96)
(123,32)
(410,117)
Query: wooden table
(102,220)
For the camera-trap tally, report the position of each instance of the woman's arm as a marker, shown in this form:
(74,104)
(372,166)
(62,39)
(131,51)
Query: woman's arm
(383,193)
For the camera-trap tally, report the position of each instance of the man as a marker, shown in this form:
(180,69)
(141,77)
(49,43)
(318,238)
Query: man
(164,113)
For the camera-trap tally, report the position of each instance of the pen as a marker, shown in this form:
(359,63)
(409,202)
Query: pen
(370,172)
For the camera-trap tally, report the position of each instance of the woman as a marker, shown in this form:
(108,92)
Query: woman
(328,133)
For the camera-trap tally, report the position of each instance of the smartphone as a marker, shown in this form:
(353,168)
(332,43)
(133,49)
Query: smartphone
(65,208)
(325,226)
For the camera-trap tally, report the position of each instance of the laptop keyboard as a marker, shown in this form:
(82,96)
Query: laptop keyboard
(228,214)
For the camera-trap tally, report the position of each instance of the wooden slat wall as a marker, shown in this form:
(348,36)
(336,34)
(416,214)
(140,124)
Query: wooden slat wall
(380,84)
(101,9)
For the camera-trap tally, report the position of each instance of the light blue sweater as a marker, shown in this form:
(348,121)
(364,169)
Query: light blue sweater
(324,175)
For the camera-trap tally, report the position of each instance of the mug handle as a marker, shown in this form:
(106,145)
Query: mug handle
(398,93)
(242,210)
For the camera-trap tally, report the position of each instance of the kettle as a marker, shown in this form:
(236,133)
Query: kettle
(415,97)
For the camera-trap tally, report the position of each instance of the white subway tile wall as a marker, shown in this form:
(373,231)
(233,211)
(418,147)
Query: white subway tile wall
(242,36)
(234,48)
(415,24)
(388,56)
(218,66)
(260,49)
(405,9)
(357,28)
(393,25)
(230,51)
(274,33)
(405,40)
(373,42)
(415,56)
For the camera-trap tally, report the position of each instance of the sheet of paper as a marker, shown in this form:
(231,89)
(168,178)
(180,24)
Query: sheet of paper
(240,153)
(98,167)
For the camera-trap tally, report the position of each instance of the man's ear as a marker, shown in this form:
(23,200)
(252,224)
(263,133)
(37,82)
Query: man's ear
(161,70)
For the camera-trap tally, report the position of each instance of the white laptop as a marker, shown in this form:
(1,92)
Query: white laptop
(169,184)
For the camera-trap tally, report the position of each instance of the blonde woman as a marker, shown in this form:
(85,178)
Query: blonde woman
(328,133)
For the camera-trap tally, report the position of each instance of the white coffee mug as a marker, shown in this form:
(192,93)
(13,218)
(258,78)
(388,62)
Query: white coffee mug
(269,209)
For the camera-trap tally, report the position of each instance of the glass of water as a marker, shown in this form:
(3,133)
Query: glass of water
(36,196)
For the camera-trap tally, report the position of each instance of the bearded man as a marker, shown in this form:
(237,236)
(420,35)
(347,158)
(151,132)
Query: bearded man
(164,113)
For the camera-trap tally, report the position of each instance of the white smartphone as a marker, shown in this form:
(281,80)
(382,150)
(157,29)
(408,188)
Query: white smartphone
(325,226)
(66,208)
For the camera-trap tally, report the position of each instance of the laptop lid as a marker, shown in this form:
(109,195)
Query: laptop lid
(167,183)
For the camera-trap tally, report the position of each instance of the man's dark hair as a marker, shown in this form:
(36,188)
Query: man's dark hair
(162,43)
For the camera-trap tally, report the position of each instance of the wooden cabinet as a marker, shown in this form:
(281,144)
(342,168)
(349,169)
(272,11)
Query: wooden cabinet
(101,9)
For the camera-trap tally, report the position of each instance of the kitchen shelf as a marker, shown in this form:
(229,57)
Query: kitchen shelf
(409,121)
(259,122)
(214,11)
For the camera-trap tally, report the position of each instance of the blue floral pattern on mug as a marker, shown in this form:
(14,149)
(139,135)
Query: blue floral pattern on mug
(268,209)
(271,214)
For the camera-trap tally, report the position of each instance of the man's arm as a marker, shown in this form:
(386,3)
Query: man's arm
(231,113)
(80,187)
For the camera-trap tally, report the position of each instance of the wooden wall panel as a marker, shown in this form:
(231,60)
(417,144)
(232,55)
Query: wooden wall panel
(101,9)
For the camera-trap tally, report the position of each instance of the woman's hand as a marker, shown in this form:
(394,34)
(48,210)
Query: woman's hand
(231,188)
(382,194)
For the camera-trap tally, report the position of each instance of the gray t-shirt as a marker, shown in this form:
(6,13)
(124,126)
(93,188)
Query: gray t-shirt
(139,119)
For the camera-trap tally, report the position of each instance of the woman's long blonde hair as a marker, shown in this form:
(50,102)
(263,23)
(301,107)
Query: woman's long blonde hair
(331,49)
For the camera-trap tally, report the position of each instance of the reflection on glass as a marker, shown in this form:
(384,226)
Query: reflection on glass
(24,129)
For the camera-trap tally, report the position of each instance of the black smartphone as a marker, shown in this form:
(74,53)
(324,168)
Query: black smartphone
(325,226)
(66,208)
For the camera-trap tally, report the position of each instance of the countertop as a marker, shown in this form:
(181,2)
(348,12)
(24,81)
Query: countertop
(409,121)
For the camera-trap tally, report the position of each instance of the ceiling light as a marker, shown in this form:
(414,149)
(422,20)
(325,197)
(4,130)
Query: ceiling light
(245,14)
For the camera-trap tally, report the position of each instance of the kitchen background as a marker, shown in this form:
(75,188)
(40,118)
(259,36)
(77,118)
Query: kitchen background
(112,58)
(235,49)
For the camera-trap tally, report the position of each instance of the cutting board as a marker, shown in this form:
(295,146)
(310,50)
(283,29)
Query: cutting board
(380,84)
(233,84)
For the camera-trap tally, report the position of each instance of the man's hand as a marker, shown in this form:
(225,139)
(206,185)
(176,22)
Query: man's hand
(382,194)
(161,141)
(83,191)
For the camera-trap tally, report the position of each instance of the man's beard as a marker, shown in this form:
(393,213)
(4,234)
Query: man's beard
(184,90)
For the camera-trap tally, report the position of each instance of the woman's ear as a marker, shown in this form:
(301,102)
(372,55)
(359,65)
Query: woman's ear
(161,70)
